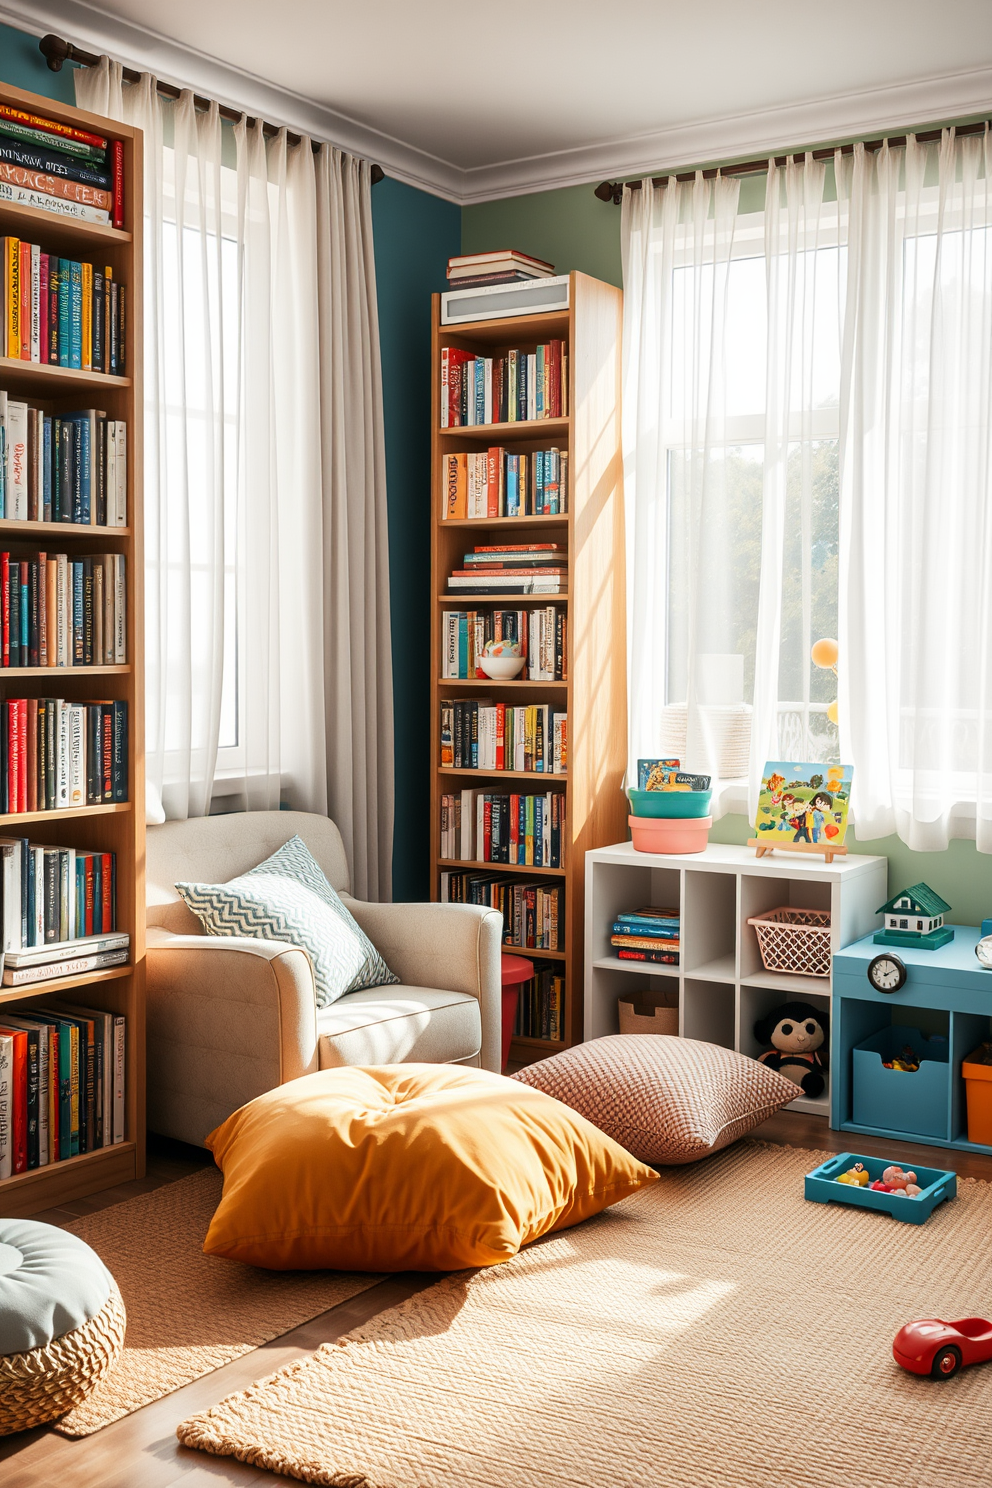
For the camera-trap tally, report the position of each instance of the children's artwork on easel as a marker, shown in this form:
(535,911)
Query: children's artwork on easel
(803,808)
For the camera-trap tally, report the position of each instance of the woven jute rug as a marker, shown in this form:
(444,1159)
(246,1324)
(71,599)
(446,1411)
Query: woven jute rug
(187,1313)
(715,1329)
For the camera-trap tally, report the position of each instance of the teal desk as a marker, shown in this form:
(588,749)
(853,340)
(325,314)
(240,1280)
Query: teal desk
(945,990)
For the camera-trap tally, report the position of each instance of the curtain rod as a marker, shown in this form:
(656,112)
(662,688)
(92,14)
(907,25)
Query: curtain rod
(612,191)
(56,51)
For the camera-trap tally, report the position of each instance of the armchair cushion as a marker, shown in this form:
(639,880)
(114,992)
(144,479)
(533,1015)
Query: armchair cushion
(287,898)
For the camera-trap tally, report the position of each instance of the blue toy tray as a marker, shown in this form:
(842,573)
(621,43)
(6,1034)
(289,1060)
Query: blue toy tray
(937,1184)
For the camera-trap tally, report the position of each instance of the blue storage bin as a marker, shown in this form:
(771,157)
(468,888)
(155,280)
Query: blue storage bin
(894,1099)
(937,1184)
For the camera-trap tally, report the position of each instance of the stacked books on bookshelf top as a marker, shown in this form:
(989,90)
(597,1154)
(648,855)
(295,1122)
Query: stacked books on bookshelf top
(71,667)
(526,436)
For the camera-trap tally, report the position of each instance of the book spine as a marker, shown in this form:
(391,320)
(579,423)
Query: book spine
(57,186)
(53,127)
(117,182)
(75,315)
(119,1031)
(22,196)
(53,163)
(6,1103)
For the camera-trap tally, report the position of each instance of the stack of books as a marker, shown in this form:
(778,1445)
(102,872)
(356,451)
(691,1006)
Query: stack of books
(501,266)
(541,1004)
(477,734)
(541,633)
(515,568)
(62,612)
(55,755)
(513,387)
(59,311)
(499,483)
(62,467)
(647,935)
(51,895)
(60,169)
(483,827)
(61,1084)
(533,914)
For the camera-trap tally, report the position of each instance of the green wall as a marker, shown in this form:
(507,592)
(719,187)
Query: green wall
(570,228)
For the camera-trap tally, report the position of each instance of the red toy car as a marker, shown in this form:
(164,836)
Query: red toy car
(940,1349)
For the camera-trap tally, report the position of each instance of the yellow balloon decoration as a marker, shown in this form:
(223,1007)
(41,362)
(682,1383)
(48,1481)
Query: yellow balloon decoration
(824,654)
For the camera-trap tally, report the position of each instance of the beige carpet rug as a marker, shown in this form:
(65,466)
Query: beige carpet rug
(187,1313)
(715,1329)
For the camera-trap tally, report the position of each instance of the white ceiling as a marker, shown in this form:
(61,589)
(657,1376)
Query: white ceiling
(484,100)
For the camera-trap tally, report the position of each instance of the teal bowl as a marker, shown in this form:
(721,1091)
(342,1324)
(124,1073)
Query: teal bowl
(669,803)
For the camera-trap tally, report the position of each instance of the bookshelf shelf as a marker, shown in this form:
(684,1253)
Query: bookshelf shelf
(519,428)
(119,669)
(502,868)
(35,530)
(116,827)
(64,813)
(592,531)
(55,986)
(55,381)
(533,952)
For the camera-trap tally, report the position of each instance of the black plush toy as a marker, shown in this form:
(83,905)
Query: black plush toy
(796,1031)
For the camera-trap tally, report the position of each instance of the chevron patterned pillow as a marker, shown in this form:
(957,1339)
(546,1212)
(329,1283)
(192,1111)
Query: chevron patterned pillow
(288,898)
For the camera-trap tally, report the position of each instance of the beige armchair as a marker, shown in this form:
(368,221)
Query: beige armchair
(229,1018)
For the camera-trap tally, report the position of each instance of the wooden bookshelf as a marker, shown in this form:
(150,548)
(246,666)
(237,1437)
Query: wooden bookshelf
(592,529)
(108,828)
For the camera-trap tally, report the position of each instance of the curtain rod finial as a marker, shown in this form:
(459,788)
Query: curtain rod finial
(610,191)
(377,174)
(55,51)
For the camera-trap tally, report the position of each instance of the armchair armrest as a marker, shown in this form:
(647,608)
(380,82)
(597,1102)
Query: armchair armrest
(228,1018)
(455,947)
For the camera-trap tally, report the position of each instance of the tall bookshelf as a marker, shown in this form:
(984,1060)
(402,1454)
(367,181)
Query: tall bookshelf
(592,530)
(116,828)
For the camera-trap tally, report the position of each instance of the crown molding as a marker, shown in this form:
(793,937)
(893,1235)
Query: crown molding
(173,62)
(820,121)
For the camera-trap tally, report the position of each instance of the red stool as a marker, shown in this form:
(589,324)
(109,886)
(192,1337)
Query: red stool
(516,971)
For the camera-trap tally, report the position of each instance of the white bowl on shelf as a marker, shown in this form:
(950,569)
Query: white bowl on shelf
(502,668)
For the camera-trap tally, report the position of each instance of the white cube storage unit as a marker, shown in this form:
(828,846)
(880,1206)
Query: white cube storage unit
(721,983)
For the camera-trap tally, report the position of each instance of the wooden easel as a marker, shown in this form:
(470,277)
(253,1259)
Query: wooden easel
(825,849)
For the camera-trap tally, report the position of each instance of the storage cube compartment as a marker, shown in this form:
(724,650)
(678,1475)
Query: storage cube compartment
(708,1012)
(758,896)
(622,889)
(709,914)
(651,1011)
(896,1100)
(607,985)
(758,1002)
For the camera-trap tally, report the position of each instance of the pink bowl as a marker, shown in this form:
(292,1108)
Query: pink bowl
(676,834)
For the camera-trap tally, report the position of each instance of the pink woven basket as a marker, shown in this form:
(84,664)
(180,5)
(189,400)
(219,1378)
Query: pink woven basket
(796,940)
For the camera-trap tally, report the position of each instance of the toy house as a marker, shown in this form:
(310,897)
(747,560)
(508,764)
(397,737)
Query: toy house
(915,917)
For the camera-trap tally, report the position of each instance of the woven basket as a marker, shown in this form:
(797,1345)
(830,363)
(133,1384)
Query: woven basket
(794,940)
(656,1019)
(42,1383)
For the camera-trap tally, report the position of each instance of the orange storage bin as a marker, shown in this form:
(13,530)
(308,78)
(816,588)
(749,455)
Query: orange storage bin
(978,1086)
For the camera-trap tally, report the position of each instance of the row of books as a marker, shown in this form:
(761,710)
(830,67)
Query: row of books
(60,169)
(647,935)
(62,467)
(502,266)
(483,735)
(50,896)
(499,483)
(541,633)
(533,914)
(514,569)
(482,827)
(60,311)
(61,1085)
(56,754)
(513,387)
(541,1004)
(57,611)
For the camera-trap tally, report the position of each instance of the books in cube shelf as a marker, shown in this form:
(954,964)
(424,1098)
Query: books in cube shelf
(62,1084)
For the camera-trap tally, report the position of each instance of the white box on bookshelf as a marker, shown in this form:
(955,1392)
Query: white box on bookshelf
(496,301)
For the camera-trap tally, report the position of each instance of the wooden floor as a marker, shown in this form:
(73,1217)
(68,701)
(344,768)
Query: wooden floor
(141,1451)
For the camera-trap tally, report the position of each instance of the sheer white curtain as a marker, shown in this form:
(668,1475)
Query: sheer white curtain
(731,351)
(916,490)
(267,615)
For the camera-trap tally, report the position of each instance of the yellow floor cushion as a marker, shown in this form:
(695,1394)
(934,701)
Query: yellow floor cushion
(422,1167)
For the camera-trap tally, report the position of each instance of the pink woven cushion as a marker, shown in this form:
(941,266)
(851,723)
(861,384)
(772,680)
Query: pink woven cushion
(666,1099)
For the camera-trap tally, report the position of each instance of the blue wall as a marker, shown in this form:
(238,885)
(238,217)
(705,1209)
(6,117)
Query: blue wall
(22,65)
(415,234)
